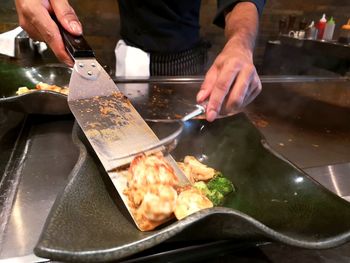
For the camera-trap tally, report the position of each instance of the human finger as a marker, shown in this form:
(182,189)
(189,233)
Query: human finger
(239,90)
(254,91)
(50,33)
(208,84)
(66,16)
(221,88)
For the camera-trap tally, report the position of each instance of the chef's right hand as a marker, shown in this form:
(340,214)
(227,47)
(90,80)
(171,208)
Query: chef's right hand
(34,17)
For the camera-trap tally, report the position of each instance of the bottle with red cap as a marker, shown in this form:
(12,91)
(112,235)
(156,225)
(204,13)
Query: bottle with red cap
(321,26)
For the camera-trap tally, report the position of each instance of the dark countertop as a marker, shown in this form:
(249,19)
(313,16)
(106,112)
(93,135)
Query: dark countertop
(290,118)
(334,48)
(289,55)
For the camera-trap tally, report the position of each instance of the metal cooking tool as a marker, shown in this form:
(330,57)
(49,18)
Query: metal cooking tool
(111,124)
(167,144)
(115,130)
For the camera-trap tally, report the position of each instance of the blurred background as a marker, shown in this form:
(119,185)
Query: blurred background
(304,118)
(101,27)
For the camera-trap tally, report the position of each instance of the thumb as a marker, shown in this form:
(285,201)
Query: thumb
(66,16)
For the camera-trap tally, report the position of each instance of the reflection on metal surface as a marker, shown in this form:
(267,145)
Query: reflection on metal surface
(307,123)
(139,91)
(42,176)
(299,179)
(37,191)
(336,178)
(19,232)
(263,78)
(25,259)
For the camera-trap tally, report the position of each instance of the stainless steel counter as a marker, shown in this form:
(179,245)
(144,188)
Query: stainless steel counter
(308,123)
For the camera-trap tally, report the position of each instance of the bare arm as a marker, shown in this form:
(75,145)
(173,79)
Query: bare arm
(232,81)
(34,17)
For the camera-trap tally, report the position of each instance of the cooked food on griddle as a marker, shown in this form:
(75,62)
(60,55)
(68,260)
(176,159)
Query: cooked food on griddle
(190,201)
(43,86)
(155,194)
(198,171)
(149,170)
(216,188)
(158,202)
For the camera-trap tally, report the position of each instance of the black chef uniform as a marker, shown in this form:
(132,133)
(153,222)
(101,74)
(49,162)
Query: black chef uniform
(169,31)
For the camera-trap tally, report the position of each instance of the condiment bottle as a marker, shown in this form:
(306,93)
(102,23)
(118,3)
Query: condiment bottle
(320,26)
(345,33)
(329,30)
(311,31)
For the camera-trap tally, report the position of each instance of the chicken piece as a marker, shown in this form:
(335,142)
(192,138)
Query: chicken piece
(135,196)
(158,202)
(64,91)
(199,171)
(187,171)
(45,86)
(149,170)
(22,90)
(189,202)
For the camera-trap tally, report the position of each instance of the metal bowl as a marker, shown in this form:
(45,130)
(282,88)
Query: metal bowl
(36,102)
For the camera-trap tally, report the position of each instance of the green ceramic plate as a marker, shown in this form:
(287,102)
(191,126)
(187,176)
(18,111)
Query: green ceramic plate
(37,102)
(274,201)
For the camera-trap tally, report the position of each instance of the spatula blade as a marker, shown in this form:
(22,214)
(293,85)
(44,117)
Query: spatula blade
(111,124)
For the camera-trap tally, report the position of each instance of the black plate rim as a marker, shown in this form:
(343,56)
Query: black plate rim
(167,232)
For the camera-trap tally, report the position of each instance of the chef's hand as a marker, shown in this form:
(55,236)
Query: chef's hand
(232,81)
(34,17)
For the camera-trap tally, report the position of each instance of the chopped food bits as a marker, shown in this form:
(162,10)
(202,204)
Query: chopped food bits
(43,86)
(158,202)
(199,171)
(189,202)
(155,195)
(22,90)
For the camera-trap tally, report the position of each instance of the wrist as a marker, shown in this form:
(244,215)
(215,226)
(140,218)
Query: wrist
(241,26)
(242,44)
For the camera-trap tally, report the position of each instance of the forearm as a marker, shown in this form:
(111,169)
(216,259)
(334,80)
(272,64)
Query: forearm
(232,82)
(241,25)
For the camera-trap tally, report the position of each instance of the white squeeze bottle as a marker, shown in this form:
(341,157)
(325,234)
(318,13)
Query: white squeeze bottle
(329,30)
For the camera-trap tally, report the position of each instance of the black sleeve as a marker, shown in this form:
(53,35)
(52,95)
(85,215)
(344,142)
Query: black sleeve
(226,5)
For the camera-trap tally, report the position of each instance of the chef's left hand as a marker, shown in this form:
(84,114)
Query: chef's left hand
(231,83)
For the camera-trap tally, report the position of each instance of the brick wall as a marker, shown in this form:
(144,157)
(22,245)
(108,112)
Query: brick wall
(101,22)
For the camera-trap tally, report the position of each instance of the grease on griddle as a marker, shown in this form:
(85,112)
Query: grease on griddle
(104,115)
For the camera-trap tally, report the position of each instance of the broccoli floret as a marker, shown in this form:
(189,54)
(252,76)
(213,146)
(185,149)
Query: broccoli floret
(215,197)
(220,184)
(202,187)
(216,188)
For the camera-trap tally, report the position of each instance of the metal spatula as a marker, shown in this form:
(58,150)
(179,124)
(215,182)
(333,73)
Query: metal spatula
(111,124)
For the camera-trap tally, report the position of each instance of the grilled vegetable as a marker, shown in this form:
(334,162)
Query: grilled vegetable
(220,184)
(216,189)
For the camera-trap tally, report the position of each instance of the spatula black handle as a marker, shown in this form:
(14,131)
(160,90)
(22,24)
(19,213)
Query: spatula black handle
(76,46)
